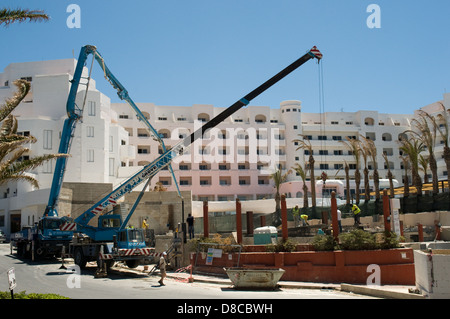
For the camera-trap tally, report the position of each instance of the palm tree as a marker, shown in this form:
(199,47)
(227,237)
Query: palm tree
(353,145)
(365,155)
(412,148)
(424,162)
(347,182)
(405,161)
(12,165)
(441,125)
(427,135)
(8,16)
(302,173)
(371,149)
(278,179)
(306,144)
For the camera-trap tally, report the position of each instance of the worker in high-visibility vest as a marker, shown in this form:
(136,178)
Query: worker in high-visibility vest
(357,213)
(304,218)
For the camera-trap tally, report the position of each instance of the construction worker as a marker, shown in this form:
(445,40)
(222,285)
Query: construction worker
(144,224)
(304,218)
(162,268)
(339,219)
(357,213)
(296,214)
(190,222)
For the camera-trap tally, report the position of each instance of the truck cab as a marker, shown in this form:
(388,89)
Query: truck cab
(48,228)
(110,225)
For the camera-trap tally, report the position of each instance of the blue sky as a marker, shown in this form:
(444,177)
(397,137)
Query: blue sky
(184,52)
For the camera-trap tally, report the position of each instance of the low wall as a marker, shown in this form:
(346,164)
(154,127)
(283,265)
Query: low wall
(433,273)
(396,266)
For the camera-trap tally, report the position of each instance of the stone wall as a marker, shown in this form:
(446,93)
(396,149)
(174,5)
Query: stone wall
(84,195)
(163,209)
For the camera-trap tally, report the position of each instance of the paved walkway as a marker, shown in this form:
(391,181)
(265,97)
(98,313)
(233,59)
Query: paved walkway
(385,291)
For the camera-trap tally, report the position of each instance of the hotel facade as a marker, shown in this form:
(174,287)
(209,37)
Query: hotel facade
(233,160)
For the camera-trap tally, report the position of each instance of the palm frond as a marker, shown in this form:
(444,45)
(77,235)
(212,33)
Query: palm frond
(11,103)
(13,169)
(8,16)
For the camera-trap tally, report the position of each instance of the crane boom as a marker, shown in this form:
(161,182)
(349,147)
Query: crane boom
(74,114)
(166,158)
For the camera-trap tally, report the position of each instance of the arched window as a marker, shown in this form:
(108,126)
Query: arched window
(260,118)
(369,121)
(203,117)
(386,137)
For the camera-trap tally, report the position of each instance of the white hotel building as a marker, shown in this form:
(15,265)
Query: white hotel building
(233,160)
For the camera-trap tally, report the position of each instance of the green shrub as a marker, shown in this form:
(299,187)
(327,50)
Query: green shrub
(23,295)
(282,246)
(217,242)
(388,240)
(357,240)
(324,243)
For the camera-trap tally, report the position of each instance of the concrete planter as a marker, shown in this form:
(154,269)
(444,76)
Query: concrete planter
(392,266)
(254,278)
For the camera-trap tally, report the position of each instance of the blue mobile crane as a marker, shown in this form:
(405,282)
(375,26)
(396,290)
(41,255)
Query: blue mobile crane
(111,240)
(52,232)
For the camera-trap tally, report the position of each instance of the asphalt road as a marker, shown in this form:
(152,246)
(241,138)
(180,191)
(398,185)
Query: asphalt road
(47,277)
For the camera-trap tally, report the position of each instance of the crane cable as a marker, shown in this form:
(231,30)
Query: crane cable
(322,111)
(322,128)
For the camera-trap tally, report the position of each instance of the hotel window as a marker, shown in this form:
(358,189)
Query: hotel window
(91,108)
(47,139)
(90,131)
(111,143)
(90,155)
(47,167)
(111,167)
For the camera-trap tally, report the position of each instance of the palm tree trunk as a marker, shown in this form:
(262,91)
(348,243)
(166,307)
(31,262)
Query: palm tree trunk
(366,185)
(313,181)
(357,183)
(376,183)
(305,195)
(433,168)
(347,183)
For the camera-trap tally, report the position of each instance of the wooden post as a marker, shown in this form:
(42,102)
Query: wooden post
(386,212)
(250,223)
(284,225)
(205,219)
(420,230)
(238,221)
(334,217)
(263,220)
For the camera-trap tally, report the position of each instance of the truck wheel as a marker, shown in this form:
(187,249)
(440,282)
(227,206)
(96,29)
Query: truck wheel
(132,263)
(40,252)
(20,250)
(79,258)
